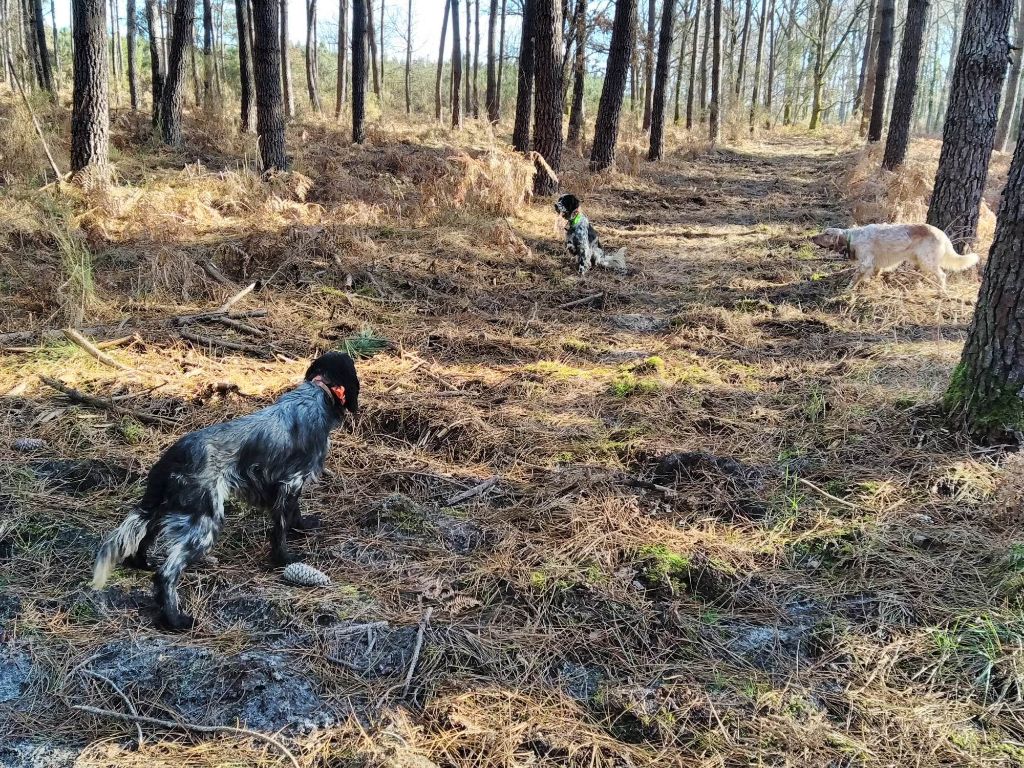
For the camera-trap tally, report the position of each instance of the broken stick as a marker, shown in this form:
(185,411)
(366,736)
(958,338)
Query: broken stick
(578,302)
(238,346)
(97,402)
(77,338)
(476,490)
(416,651)
(238,297)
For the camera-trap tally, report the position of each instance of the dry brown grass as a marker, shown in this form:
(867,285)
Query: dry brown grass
(846,594)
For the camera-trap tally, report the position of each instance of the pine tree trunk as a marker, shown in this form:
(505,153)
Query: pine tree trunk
(524,96)
(476,60)
(870,79)
(248,116)
(906,85)
(501,59)
(985,391)
(652,17)
(156,65)
(310,58)
(1012,85)
(714,108)
(680,61)
(286,67)
(575,137)
(620,51)
(371,38)
(174,87)
(869,43)
(456,67)
(970,128)
(90,119)
(887,11)
(547,112)
(133,69)
(197,95)
(467,67)
(270,115)
(693,65)
(657,147)
(743,49)
(41,54)
(341,86)
(704,59)
(958,20)
(440,61)
(208,62)
(769,89)
(56,37)
(757,62)
(115,74)
(359,30)
(408,60)
(380,45)
(491,94)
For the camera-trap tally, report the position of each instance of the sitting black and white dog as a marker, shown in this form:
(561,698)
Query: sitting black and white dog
(265,458)
(581,240)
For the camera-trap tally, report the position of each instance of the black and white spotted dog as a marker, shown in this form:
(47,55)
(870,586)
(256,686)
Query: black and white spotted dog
(265,458)
(582,241)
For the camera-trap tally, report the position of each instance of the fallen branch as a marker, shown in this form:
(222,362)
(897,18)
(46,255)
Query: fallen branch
(539,160)
(239,346)
(77,338)
(200,317)
(238,297)
(193,727)
(416,651)
(633,482)
(353,628)
(584,300)
(210,269)
(828,495)
(97,402)
(476,490)
(447,385)
(117,342)
(130,704)
(238,325)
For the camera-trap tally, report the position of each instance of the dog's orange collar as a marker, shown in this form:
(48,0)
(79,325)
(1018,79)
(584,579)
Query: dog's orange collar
(338,391)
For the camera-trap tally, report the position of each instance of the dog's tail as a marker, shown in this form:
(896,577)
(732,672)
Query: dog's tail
(119,545)
(955,262)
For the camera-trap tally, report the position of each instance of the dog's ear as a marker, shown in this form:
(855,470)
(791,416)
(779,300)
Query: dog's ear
(569,202)
(338,370)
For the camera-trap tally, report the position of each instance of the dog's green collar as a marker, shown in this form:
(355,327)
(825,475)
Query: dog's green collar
(575,219)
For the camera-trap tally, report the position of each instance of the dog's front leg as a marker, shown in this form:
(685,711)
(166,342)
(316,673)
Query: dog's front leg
(285,516)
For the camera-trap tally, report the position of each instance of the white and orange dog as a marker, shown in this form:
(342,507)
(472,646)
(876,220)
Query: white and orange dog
(883,247)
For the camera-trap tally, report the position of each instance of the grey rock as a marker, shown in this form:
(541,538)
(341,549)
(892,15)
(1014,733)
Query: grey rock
(15,670)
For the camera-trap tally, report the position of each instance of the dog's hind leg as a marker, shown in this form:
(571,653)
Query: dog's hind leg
(190,537)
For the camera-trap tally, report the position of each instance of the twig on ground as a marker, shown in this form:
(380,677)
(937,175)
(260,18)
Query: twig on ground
(124,697)
(116,342)
(431,374)
(828,495)
(210,268)
(238,297)
(194,727)
(416,651)
(352,629)
(633,482)
(107,405)
(200,317)
(584,300)
(476,490)
(77,338)
(239,346)
(238,325)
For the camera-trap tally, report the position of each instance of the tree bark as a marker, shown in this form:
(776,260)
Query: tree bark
(868,98)
(970,128)
(476,60)
(869,44)
(985,393)
(501,60)
(680,61)
(888,12)
(1012,85)
(44,72)
(547,112)
(371,38)
(339,98)
(652,17)
(620,51)
(704,59)
(657,147)
(286,67)
(467,67)
(524,96)
(491,93)
(440,61)
(743,50)
(906,85)
(174,87)
(769,90)
(576,117)
(380,45)
(958,19)
(90,119)
(456,67)
(248,116)
(133,70)
(311,63)
(693,66)
(208,62)
(156,66)
(757,62)
(270,115)
(408,60)
(56,37)
(359,31)
(714,111)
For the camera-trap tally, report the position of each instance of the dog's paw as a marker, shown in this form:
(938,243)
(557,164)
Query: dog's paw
(178,622)
(307,524)
(138,561)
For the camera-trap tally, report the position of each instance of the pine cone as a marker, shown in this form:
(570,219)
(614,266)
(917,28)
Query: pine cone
(305,576)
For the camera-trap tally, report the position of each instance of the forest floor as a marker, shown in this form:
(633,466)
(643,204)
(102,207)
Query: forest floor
(728,526)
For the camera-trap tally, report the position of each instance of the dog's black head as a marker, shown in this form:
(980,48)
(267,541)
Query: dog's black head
(567,205)
(337,371)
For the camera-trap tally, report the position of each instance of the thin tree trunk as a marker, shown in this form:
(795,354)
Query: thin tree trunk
(547,113)
(371,38)
(769,90)
(652,17)
(869,43)
(868,98)
(115,59)
(704,58)
(606,129)
(245,66)
(408,60)
(286,67)
(970,127)
(44,70)
(380,42)
(906,85)
(743,50)
(524,96)
(657,147)
(887,13)
(456,67)
(757,61)
(197,94)
(476,60)
(693,65)
(680,61)
(56,37)
(575,138)
(342,86)
(1012,84)
(501,60)
(208,63)
(173,92)
(90,117)
(714,112)
(467,67)
(156,64)
(359,34)
(440,61)
(311,68)
(133,71)
(491,94)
